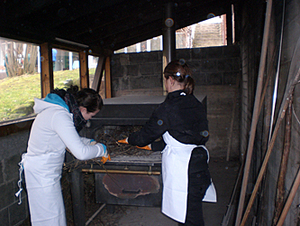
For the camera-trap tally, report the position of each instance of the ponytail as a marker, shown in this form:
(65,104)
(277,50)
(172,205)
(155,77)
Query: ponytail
(180,71)
(189,85)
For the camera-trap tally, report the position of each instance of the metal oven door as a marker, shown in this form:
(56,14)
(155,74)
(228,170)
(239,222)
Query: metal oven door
(128,189)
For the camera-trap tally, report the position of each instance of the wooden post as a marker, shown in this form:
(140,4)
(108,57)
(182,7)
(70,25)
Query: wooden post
(107,78)
(255,114)
(266,104)
(289,200)
(283,166)
(84,69)
(47,83)
(98,74)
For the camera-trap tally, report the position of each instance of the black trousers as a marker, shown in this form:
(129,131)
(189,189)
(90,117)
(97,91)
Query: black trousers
(198,182)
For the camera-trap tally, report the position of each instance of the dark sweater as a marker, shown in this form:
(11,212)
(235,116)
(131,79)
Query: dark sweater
(183,116)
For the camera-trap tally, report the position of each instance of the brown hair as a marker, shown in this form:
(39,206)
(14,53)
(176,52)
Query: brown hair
(180,71)
(87,98)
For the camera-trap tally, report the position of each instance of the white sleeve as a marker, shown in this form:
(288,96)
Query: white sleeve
(85,140)
(64,127)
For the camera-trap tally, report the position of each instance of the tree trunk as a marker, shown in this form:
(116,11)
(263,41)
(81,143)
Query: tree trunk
(13,56)
(30,59)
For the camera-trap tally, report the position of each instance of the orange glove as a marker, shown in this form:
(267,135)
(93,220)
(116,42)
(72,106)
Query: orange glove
(147,147)
(105,159)
(124,141)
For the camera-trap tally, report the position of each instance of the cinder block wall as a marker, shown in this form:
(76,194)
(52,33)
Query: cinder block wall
(217,72)
(11,149)
(136,72)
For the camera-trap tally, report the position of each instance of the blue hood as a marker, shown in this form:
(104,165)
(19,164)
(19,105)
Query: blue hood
(56,99)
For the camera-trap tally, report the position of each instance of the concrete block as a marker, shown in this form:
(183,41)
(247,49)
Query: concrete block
(4,217)
(133,70)
(157,68)
(236,64)
(17,213)
(148,69)
(7,194)
(11,168)
(145,82)
(195,65)
(213,52)
(135,58)
(14,143)
(124,59)
(118,71)
(209,65)
(198,53)
(226,64)
(214,78)
(115,60)
(231,51)
(122,83)
(183,54)
(1,173)
(229,78)
(151,57)
(200,78)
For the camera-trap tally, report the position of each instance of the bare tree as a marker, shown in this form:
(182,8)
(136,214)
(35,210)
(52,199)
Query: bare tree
(11,62)
(30,59)
(16,63)
(12,58)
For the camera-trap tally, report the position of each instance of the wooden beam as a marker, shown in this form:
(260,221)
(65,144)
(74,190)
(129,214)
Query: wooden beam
(84,69)
(98,74)
(46,69)
(280,191)
(107,78)
(289,200)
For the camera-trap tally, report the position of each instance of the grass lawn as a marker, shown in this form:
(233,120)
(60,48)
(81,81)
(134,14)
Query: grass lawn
(17,93)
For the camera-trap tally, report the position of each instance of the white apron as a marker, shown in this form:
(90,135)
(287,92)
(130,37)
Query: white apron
(175,161)
(42,175)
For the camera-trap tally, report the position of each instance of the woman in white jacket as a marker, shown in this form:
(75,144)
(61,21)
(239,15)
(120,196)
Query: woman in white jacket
(59,118)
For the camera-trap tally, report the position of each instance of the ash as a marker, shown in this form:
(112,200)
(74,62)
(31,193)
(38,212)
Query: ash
(109,135)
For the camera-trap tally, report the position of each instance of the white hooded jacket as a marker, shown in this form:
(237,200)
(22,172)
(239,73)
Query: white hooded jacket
(52,131)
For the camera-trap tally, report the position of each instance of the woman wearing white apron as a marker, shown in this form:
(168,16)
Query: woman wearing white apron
(181,120)
(59,118)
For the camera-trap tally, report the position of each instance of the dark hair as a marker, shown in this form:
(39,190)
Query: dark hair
(87,98)
(180,71)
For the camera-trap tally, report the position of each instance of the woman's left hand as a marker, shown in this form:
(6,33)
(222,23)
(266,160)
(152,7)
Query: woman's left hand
(105,159)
